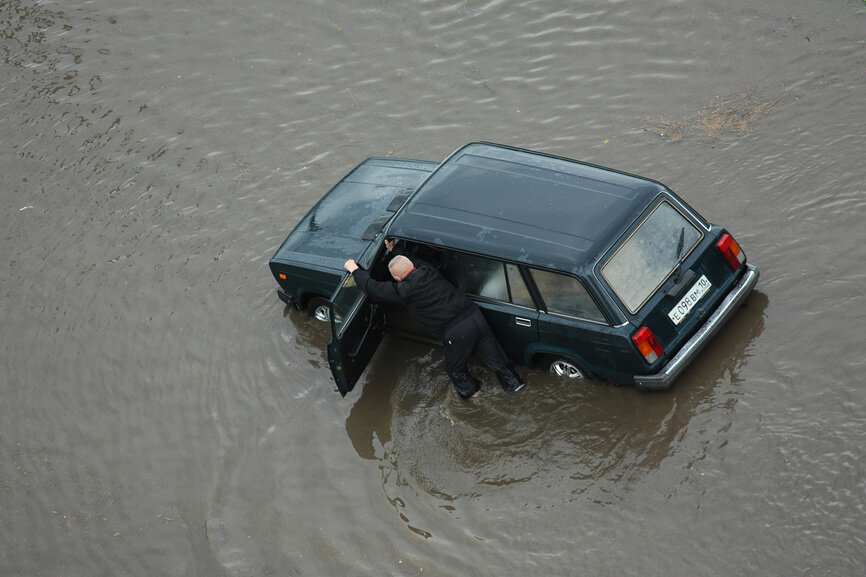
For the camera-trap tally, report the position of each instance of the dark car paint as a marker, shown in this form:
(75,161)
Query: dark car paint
(312,256)
(522,206)
(526,209)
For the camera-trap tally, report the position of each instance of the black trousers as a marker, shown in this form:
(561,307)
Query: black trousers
(472,336)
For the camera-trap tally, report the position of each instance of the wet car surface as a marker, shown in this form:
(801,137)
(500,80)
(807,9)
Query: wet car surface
(580,269)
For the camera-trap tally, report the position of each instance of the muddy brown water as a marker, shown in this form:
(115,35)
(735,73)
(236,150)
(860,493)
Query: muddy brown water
(161,412)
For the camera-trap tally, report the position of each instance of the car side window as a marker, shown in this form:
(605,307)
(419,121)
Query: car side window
(519,293)
(480,276)
(490,279)
(565,295)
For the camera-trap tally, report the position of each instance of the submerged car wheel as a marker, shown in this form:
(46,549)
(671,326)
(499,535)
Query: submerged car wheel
(566,368)
(318,309)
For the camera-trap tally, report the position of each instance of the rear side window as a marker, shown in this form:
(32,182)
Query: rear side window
(490,279)
(565,295)
(649,255)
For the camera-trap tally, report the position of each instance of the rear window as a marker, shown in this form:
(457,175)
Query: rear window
(649,255)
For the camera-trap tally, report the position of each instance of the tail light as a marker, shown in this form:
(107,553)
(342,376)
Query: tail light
(731,251)
(647,344)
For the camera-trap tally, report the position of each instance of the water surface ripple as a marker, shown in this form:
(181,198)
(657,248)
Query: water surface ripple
(164,414)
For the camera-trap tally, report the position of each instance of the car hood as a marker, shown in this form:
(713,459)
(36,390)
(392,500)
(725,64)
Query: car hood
(340,225)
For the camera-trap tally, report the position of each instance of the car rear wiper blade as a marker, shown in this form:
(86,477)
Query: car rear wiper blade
(680,243)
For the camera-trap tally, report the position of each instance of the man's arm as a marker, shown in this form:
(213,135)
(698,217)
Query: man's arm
(382,292)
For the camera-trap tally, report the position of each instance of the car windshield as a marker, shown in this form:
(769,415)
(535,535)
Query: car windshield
(650,255)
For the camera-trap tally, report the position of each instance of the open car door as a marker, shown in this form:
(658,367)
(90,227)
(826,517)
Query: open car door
(357,326)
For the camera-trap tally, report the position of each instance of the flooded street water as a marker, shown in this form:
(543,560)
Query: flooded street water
(162,412)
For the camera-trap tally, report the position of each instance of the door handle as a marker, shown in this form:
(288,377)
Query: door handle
(522,322)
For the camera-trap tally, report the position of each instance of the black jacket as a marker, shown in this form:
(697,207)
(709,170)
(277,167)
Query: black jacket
(431,300)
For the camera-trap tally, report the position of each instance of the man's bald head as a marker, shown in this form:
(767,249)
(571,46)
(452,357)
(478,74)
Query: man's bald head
(400,267)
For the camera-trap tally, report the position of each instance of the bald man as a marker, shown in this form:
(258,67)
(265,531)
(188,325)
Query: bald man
(445,312)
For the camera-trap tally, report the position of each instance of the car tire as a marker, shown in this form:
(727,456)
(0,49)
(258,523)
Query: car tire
(566,368)
(319,309)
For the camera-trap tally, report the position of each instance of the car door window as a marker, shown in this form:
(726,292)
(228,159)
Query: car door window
(519,293)
(565,295)
(490,279)
(480,276)
(346,302)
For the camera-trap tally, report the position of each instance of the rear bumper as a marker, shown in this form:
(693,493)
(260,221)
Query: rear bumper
(726,309)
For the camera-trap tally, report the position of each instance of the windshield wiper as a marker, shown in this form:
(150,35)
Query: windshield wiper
(679,254)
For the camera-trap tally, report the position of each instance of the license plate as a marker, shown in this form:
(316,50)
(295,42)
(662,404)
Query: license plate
(691,298)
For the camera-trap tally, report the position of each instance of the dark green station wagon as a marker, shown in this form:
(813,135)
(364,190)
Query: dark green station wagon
(579,269)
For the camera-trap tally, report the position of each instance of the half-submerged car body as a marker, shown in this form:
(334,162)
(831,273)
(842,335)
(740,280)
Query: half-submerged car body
(580,269)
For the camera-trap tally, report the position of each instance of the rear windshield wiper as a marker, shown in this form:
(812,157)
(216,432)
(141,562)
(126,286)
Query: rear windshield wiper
(679,254)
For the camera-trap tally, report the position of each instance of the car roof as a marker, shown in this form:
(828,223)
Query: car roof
(523,206)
